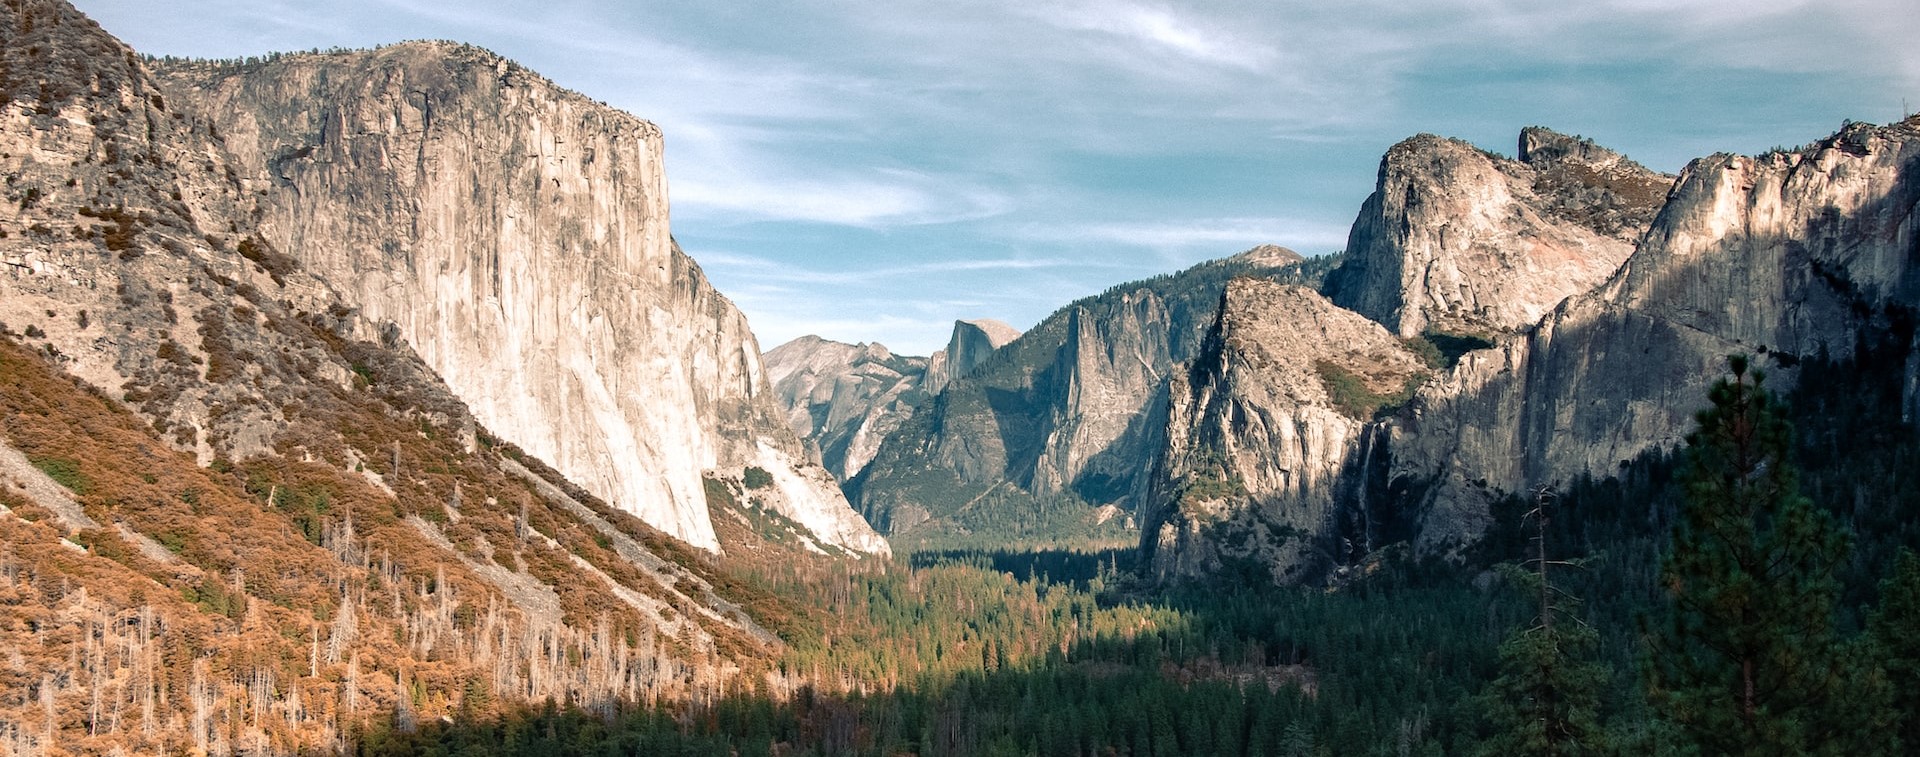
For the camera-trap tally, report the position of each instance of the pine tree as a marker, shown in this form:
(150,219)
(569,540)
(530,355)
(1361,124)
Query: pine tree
(1547,698)
(1749,663)
(1895,628)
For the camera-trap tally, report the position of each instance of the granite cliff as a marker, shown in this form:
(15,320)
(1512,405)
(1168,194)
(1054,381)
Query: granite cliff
(1054,433)
(1602,319)
(972,342)
(1794,255)
(1457,240)
(845,398)
(260,492)
(515,235)
(1270,438)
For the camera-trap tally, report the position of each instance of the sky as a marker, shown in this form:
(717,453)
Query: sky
(872,171)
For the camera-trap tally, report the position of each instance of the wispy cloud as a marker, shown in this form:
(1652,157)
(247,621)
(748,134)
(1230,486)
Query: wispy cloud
(1161,30)
(1222,236)
(996,157)
(728,194)
(763,269)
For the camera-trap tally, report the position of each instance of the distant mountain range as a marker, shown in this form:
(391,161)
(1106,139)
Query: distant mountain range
(1564,311)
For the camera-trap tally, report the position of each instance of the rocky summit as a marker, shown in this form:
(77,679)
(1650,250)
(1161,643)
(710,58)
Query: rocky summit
(1796,255)
(1458,240)
(1270,435)
(1564,375)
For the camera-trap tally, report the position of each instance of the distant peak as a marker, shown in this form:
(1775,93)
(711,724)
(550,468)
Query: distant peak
(997,333)
(1268,255)
(876,352)
(1540,146)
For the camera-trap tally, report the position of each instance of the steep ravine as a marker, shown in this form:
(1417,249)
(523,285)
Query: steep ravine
(1065,419)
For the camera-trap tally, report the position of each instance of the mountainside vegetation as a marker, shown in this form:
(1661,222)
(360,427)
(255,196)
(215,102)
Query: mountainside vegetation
(241,515)
(276,604)
(1065,652)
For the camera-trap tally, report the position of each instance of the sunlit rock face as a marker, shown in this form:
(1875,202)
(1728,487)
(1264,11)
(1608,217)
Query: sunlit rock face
(971,344)
(1458,240)
(1609,297)
(1789,255)
(516,236)
(1263,465)
(845,398)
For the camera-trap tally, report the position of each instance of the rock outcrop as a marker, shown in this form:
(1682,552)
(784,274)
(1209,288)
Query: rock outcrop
(1796,256)
(1793,255)
(515,235)
(845,398)
(1271,440)
(1460,241)
(971,344)
(1064,419)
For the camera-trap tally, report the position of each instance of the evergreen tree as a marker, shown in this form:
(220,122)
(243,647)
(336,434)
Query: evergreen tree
(1748,663)
(1547,698)
(1895,629)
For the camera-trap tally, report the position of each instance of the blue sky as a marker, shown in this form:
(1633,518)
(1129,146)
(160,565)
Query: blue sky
(871,171)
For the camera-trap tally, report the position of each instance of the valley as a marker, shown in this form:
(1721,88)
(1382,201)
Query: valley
(365,402)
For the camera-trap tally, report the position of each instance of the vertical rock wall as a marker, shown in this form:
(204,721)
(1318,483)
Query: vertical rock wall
(516,236)
(1264,464)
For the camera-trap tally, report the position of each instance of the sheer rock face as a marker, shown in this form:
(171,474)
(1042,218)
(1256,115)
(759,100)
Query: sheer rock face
(515,235)
(1458,240)
(971,344)
(1789,254)
(133,262)
(1260,463)
(1073,408)
(845,398)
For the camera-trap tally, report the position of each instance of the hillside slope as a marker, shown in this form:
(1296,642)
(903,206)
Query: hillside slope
(244,517)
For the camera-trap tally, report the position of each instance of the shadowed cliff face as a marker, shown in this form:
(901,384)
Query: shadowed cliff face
(1071,412)
(1461,241)
(516,236)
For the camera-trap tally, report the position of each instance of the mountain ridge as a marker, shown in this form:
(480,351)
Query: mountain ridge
(1057,421)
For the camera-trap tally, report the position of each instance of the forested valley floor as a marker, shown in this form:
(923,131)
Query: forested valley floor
(1067,652)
